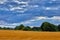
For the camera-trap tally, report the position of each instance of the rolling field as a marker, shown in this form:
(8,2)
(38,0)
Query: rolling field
(28,35)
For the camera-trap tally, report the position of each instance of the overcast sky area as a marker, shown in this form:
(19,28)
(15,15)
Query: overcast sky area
(29,12)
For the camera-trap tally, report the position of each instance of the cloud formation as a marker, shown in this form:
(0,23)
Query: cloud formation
(19,5)
(32,21)
(29,12)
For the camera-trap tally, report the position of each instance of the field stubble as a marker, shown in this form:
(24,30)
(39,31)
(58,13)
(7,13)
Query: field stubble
(28,35)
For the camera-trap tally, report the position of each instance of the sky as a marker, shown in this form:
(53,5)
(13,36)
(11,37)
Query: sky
(29,12)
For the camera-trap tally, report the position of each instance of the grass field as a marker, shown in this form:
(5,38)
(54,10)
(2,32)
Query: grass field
(28,35)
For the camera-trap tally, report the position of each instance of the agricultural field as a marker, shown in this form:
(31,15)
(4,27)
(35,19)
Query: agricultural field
(28,35)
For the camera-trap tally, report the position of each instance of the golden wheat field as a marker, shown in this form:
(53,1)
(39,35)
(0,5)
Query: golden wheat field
(28,35)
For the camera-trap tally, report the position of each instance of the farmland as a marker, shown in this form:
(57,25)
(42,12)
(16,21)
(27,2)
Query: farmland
(28,35)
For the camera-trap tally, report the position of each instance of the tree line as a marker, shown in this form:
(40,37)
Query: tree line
(46,26)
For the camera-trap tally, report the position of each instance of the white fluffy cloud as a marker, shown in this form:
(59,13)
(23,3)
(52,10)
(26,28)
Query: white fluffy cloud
(40,18)
(5,24)
(21,8)
(25,5)
(18,8)
(56,18)
(15,8)
(53,18)
(51,8)
(20,2)
(2,1)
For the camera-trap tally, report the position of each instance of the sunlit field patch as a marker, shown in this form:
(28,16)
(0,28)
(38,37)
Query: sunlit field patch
(28,35)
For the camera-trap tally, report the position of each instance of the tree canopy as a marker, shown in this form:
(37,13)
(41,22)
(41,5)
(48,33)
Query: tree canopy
(46,26)
(49,27)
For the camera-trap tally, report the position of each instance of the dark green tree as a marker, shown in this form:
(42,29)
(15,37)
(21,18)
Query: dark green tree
(21,27)
(27,28)
(49,27)
(0,28)
(36,28)
(9,28)
(59,27)
(4,28)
